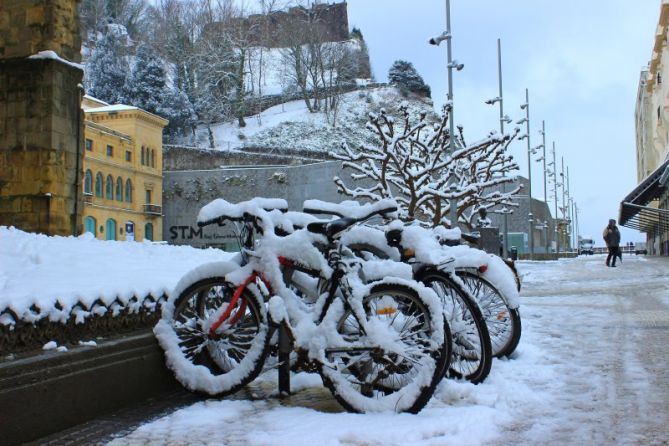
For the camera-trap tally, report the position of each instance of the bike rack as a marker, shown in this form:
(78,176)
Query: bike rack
(285,348)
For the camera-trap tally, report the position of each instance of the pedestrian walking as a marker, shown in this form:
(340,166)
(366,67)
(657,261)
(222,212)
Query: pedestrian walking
(612,240)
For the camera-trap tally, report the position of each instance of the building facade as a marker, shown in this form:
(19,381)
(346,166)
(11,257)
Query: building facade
(122,171)
(546,236)
(646,208)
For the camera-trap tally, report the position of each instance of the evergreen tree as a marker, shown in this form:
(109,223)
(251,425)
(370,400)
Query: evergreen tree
(404,76)
(146,85)
(106,71)
(177,108)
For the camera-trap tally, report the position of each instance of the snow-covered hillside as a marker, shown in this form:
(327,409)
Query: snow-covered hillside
(292,126)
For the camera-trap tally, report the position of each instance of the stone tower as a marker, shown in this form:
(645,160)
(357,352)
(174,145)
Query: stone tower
(41,122)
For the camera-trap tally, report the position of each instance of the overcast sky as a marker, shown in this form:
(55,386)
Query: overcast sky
(580,61)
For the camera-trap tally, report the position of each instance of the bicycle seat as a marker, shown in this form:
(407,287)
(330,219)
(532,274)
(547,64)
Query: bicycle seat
(351,209)
(219,210)
(331,228)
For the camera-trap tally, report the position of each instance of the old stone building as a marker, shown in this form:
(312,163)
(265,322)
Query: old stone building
(41,122)
(297,25)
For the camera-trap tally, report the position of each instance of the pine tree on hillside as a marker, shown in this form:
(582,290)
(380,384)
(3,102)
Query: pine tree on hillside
(146,85)
(404,76)
(177,108)
(106,71)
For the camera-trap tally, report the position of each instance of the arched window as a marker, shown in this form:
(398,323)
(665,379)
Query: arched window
(119,189)
(109,188)
(110,229)
(90,225)
(148,231)
(143,156)
(153,158)
(88,182)
(128,191)
(98,185)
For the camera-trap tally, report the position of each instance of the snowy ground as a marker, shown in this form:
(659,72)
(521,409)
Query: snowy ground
(590,369)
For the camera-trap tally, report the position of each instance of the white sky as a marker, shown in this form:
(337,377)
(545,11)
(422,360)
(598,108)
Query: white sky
(580,60)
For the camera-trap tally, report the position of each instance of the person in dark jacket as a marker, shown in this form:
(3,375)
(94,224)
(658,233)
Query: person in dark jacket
(612,240)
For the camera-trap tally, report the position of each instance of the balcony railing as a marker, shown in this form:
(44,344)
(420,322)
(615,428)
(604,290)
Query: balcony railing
(153,209)
(88,198)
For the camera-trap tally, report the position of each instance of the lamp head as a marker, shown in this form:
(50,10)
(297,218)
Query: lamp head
(440,38)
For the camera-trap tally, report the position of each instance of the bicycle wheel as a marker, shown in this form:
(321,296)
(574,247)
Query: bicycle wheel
(503,322)
(399,361)
(472,349)
(221,363)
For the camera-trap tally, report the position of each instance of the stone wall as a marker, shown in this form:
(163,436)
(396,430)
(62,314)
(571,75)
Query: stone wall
(30,26)
(184,193)
(193,158)
(41,122)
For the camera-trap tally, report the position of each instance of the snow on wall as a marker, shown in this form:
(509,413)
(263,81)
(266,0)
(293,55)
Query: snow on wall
(54,274)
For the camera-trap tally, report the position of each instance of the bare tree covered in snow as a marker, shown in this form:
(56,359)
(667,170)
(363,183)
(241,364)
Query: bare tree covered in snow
(317,68)
(413,164)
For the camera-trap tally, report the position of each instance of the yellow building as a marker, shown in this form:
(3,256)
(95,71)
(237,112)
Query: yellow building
(123,175)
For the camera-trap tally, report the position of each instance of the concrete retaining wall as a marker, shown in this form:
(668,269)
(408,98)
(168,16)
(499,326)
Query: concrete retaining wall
(43,394)
(185,192)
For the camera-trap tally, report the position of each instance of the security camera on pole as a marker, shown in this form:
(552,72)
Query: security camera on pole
(446,36)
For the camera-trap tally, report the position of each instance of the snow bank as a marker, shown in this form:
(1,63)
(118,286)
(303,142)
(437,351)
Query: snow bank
(42,276)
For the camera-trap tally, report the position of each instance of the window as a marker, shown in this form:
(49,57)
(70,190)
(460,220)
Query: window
(119,189)
(128,155)
(153,158)
(88,182)
(148,232)
(109,188)
(98,185)
(110,229)
(147,196)
(89,145)
(110,150)
(143,158)
(128,191)
(90,225)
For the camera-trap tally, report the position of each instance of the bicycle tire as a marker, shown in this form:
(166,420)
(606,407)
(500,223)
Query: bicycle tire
(216,367)
(504,323)
(472,348)
(366,384)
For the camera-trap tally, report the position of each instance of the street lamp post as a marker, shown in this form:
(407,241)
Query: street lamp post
(564,209)
(453,210)
(502,120)
(543,157)
(526,120)
(555,192)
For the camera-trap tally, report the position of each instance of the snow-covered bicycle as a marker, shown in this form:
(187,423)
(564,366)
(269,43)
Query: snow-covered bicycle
(378,346)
